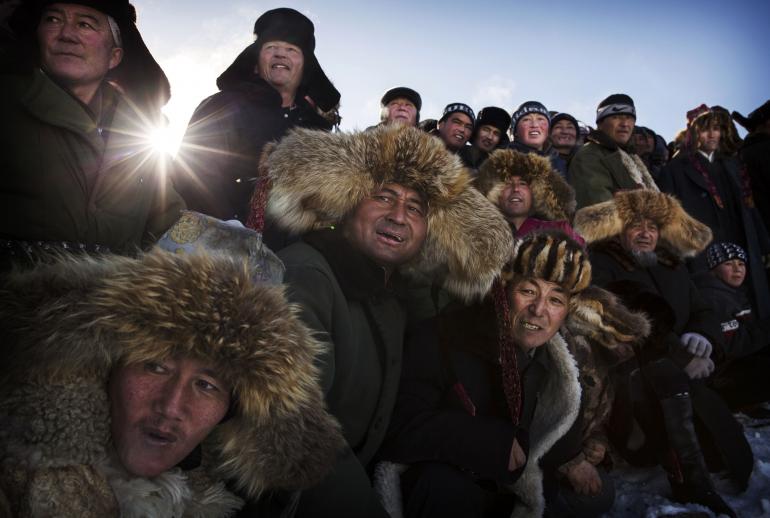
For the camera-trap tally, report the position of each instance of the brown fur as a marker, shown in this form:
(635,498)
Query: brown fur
(551,256)
(85,316)
(679,232)
(320,177)
(553,198)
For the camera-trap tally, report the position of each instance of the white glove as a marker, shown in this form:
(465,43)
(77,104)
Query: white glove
(699,368)
(696,344)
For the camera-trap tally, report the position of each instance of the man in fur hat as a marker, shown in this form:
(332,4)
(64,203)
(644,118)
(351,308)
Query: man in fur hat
(275,84)
(755,153)
(638,241)
(80,94)
(716,190)
(155,386)
(489,133)
(488,389)
(373,206)
(603,165)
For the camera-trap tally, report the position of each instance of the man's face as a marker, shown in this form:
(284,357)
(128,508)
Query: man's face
(76,45)
(487,138)
(618,128)
(642,144)
(455,130)
(538,310)
(732,272)
(563,134)
(281,65)
(532,130)
(640,236)
(402,111)
(709,137)
(515,199)
(161,411)
(389,226)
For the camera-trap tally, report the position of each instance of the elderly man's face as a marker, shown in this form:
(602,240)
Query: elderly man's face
(532,130)
(161,411)
(538,310)
(281,65)
(515,200)
(618,127)
(640,236)
(76,45)
(487,138)
(709,137)
(563,134)
(455,130)
(403,111)
(389,226)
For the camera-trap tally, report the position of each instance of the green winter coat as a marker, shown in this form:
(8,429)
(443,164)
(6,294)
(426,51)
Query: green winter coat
(344,298)
(64,178)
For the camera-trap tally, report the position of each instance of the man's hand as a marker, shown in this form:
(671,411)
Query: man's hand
(517,458)
(696,344)
(699,368)
(585,479)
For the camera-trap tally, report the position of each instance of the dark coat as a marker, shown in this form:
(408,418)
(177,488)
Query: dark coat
(735,223)
(216,166)
(343,296)
(68,177)
(755,154)
(451,406)
(612,267)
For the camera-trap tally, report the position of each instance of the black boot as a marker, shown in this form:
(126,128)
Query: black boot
(696,486)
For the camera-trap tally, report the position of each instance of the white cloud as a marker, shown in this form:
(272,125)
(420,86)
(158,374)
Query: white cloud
(496,90)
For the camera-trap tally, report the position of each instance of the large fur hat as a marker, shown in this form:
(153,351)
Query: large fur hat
(552,197)
(81,317)
(682,234)
(317,178)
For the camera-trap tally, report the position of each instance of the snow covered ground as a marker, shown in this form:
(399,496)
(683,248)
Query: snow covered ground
(641,493)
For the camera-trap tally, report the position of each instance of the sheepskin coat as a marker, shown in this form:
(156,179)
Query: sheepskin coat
(471,428)
(64,328)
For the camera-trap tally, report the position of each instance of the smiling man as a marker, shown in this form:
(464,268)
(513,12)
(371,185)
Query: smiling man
(456,126)
(79,99)
(603,165)
(400,105)
(274,85)
(373,207)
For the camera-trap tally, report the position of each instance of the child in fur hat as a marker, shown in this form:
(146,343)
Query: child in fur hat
(742,364)
(487,391)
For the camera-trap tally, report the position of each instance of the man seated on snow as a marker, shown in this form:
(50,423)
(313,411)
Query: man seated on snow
(141,387)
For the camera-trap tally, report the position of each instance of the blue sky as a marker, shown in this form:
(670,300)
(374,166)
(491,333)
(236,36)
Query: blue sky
(669,56)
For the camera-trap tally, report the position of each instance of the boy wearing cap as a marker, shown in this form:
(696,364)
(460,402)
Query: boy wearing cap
(603,165)
(742,364)
(529,130)
(455,126)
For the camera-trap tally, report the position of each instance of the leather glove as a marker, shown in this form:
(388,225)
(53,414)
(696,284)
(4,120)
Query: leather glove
(696,344)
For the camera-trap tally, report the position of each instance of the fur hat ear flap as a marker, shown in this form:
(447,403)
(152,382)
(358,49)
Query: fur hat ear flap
(685,235)
(598,222)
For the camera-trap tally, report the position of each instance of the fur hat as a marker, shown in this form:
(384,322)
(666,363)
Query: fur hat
(719,253)
(682,234)
(80,317)
(317,178)
(755,118)
(552,197)
(493,116)
(552,256)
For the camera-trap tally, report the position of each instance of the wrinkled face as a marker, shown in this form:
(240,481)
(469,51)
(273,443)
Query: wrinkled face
(563,134)
(455,130)
(532,130)
(640,236)
(281,65)
(161,411)
(487,138)
(76,45)
(389,226)
(732,272)
(515,199)
(709,137)
(538,310)
(403,111)
(618,128)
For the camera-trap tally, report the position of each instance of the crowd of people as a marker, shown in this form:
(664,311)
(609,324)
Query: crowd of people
(479,315)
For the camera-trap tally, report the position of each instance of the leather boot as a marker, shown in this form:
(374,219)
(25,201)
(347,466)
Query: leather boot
(696,486)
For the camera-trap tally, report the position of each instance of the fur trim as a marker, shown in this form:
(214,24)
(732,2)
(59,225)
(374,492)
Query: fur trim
(637,170)
(317,178)
(86,315)
(552,197)
(684,235)
(599,315)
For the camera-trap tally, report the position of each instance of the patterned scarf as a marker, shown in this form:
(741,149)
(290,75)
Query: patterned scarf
(746,193)
(508,362)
